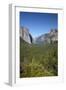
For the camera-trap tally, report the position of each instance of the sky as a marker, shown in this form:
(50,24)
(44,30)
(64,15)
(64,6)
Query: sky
(38,23)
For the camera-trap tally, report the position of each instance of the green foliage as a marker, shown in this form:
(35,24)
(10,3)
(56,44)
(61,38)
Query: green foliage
(38,60)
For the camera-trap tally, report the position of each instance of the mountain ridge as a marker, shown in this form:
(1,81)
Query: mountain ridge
(52,36)
(49,37)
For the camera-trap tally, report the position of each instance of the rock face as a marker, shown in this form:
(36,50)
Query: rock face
(52,36)
(25,35)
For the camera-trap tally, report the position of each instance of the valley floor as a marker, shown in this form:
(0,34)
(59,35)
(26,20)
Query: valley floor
(38,60)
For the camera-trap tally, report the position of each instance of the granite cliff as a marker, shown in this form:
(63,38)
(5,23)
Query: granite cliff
(25,35)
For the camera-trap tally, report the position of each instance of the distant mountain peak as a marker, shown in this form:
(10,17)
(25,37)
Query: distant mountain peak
(47,37)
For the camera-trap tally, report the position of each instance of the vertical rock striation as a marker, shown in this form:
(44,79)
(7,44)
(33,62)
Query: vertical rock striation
(25,35)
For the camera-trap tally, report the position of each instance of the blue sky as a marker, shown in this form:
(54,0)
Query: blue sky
(38,23)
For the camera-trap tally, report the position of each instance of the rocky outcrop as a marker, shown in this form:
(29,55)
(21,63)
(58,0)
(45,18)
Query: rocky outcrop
(52,36)
(25,35)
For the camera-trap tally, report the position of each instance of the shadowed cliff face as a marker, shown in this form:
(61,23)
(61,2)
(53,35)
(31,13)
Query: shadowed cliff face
(25,35)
